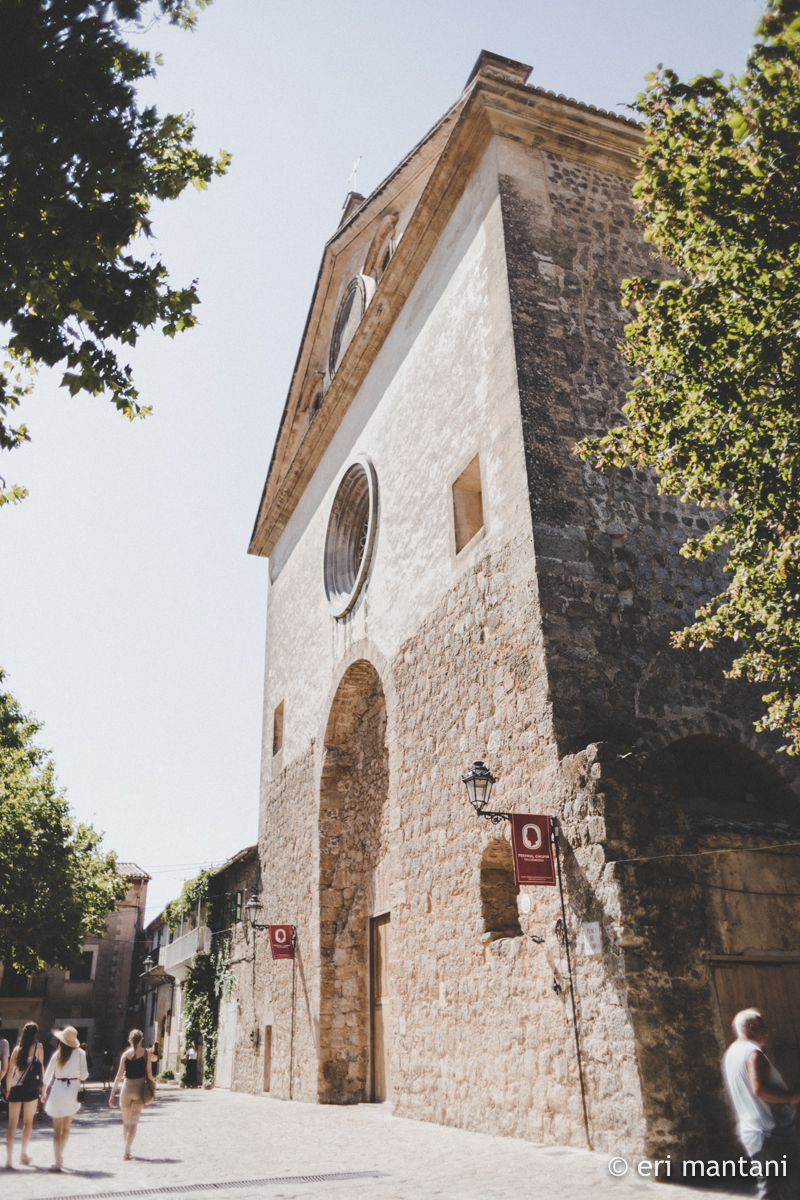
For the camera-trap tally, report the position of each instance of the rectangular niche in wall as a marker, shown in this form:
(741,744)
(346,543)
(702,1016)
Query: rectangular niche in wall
(468,504)
(277,730)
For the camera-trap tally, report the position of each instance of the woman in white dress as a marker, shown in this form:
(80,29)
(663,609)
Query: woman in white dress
(66,1071)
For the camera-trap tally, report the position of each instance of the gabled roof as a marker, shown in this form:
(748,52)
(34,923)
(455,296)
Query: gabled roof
(496,100)
(243,856)
(132,872)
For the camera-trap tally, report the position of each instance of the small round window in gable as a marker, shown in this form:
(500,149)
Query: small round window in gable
(351,313)
(350,536)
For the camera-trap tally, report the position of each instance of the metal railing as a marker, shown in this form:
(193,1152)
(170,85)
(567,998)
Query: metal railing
(196,941)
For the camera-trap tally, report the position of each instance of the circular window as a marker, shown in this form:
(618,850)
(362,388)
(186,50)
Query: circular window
(351,532)
(353,307)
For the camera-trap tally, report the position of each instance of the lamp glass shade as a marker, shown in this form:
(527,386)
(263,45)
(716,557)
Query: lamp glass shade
(253,908)
(148,963)
(479,782)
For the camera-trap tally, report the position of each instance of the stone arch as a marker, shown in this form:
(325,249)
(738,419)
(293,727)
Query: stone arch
(499,891)
(353,846)
(716,726)
(720,779)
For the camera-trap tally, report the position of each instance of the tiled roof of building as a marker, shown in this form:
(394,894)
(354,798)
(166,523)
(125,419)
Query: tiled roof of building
(131,871)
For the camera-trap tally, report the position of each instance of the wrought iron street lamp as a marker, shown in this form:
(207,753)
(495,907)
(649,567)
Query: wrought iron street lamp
(253,911)
(479,782)
(148,964)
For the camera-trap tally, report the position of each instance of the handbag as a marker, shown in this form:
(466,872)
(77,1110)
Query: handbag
(149,1090)
(82,1093)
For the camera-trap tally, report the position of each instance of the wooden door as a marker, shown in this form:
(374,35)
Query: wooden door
(773,988)
(381,1008)
(267,1057)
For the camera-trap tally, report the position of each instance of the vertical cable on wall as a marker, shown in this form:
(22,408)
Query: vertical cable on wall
(554,834)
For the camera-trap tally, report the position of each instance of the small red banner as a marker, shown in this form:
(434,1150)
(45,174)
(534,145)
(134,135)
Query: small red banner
(281,942)
(533,850)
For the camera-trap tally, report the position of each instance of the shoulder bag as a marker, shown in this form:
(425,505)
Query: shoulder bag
(149,1090)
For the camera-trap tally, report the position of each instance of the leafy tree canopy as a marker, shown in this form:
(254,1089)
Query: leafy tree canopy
(715,408)
(80,168)
(56,885)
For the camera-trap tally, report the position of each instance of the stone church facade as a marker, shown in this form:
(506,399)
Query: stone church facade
(448,582)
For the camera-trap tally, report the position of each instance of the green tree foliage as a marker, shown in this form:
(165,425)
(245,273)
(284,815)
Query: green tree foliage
(193,893)
(56,885)
(80,168)
(716,405)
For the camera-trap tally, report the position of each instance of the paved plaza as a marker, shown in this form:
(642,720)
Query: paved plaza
(200,1139)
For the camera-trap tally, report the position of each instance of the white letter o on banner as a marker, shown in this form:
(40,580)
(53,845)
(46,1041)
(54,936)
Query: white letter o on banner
(280,935)
(526,840)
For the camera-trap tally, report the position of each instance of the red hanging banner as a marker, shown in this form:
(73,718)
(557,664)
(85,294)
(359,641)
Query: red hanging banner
(533,850)
(281,942)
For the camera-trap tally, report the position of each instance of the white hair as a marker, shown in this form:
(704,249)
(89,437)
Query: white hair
(745,1019)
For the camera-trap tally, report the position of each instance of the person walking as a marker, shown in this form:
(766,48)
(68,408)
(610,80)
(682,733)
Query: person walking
(108,1068)
(4,1056)
(24,1085)
(190,1074)
(135,1067)
(764,1107)
(88,1053)
(65,1073)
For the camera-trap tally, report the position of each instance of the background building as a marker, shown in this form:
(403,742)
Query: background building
(169,955)
(448,582)
(98,998)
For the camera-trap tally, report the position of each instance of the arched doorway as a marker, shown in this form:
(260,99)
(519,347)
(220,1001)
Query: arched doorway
(354,939)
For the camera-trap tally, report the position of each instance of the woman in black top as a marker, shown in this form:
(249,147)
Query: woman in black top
(24,1084)
(135,1066)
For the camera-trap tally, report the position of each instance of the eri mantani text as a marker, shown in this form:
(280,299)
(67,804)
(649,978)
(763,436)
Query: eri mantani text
(695,1168)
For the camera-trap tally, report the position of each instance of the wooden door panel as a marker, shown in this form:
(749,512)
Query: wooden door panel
(381,1005)
(774,988)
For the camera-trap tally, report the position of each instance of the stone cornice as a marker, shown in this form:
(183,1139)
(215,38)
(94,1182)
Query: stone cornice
(529,115)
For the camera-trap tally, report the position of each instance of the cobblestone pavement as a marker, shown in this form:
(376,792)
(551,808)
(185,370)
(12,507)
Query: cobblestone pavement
(206,1138)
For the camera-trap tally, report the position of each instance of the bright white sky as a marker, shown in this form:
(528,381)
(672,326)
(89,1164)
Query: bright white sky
(132,618)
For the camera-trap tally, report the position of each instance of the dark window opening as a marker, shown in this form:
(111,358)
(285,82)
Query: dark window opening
(83,973)
(236,901)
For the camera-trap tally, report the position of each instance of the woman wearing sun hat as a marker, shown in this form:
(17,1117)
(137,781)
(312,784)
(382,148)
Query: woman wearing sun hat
(66,1072)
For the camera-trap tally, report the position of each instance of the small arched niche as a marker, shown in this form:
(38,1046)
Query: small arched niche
(351,313)
(381,248)
(722,780)
(499,891)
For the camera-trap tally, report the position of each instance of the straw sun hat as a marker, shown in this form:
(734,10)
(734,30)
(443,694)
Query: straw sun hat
(68,1035)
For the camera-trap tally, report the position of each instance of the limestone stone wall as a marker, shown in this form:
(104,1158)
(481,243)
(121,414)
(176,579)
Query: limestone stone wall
(484,1039)
(612,582)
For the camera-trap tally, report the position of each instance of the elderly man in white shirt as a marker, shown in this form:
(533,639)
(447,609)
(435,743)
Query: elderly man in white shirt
(764,1107)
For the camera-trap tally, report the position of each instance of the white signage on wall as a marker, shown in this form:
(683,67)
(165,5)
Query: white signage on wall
(592,940)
